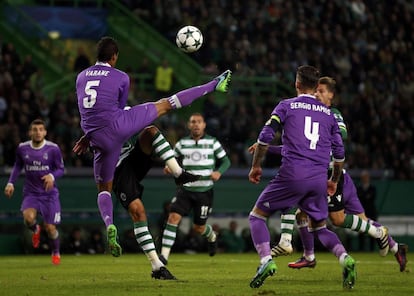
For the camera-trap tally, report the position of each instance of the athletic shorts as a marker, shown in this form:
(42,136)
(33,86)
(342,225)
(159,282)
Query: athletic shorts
(129,174)
(48,206)
(200,202)
(281,194)
(345,197)
(335,202)
(106,143)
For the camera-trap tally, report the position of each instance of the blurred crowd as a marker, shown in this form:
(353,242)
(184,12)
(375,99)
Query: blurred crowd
(367,46)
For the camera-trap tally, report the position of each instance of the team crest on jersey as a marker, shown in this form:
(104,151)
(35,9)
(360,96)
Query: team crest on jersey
(123,196)
(45,156)
(196,156)
(339,197)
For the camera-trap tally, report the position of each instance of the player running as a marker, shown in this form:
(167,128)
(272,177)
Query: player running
(301,179)
(42,163)
(345,209)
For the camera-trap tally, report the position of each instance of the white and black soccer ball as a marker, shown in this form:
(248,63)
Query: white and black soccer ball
(189,39)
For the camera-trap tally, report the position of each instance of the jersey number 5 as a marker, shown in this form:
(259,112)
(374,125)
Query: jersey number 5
(90,100)
(311,132)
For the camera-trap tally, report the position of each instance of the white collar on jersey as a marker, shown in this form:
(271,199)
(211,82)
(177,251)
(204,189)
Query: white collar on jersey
(102,64)
(39,147)
(307,95)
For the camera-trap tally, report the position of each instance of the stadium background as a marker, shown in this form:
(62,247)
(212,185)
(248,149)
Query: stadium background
(366,45)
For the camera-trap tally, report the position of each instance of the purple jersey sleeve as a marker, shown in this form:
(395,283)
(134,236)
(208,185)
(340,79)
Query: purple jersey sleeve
(102,93)
(17,167)
(338,150)
(273,149)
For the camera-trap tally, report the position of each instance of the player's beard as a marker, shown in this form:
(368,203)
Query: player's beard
(37,143)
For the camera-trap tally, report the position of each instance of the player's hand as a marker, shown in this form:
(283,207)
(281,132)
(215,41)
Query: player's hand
(48,181)
(215,176)
(332,186)
(252,148)
(81,146)
(167,170)
(9,190)
(255,175)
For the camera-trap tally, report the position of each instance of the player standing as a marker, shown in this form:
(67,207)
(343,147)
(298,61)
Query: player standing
(203,155)
(42,163)
(345,209)
(310,133)
(102,92)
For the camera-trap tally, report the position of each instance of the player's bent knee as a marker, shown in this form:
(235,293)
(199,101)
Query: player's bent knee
(29,217)
(337,220)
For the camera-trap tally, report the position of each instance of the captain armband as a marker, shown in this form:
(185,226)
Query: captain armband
(273,122)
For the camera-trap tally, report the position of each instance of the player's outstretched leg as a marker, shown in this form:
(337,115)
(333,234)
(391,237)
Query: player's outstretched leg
(401,256)
(162,274)
(265,270)
(223,81)
(349,272)
(187,96)
(114,246)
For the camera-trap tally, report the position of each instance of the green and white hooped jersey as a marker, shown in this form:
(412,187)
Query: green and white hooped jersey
(340,121)
(199,158)
(342,126)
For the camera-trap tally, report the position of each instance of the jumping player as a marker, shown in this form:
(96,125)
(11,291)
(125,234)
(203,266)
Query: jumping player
(102,93)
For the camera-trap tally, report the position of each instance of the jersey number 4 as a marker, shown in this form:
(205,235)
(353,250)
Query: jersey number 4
(90,100)
(311,132)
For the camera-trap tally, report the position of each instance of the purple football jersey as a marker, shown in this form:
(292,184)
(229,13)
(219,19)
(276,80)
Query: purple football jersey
(310,133)
(102,93)
(37,162)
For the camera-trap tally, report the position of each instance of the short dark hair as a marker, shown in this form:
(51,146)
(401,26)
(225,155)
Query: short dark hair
(308,76)
(37,122)
(197,114)
(106,48)
(329,82)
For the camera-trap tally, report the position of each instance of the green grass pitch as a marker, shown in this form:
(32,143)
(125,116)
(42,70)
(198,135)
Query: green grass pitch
(199,274)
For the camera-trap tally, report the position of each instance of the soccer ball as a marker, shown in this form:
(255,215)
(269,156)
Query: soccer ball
(189,39)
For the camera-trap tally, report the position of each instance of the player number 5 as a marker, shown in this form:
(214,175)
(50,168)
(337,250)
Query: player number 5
(90,100)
